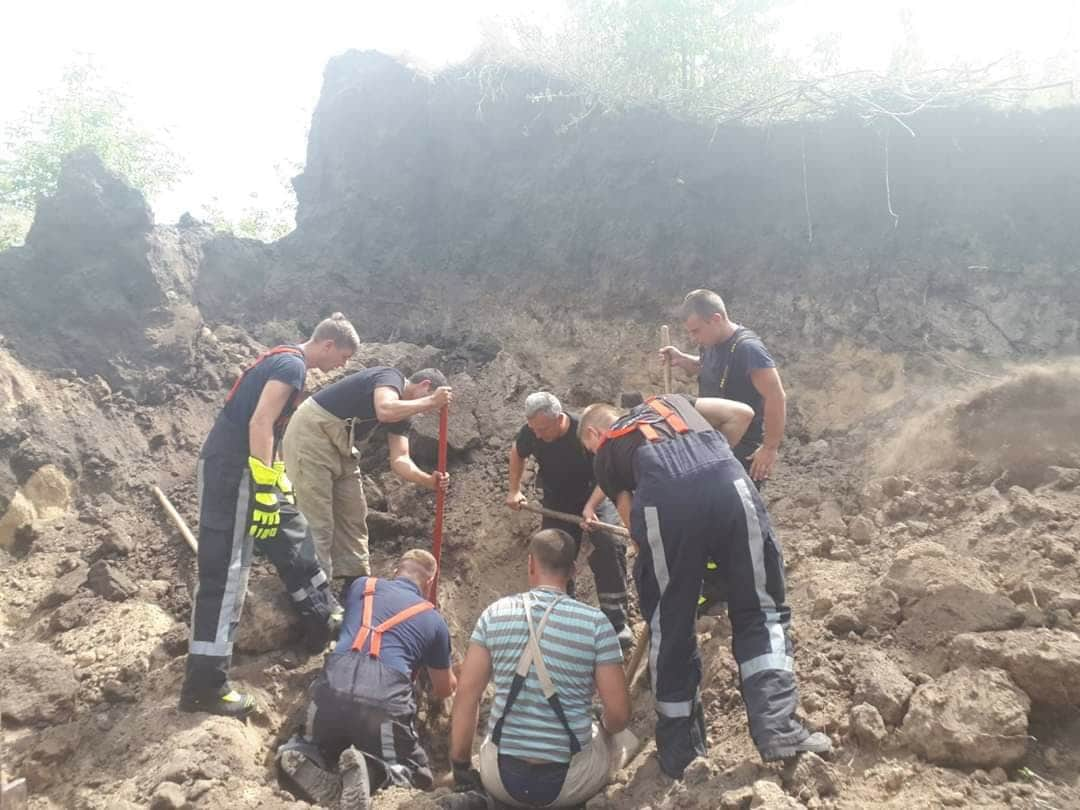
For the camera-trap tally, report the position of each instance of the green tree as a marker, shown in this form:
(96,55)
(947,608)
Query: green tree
(266,218)
(691,56)
(82,111)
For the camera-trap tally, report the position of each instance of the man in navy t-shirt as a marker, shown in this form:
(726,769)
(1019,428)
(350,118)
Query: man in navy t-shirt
(245,505)
(734,364)
(322,449)
(362,715)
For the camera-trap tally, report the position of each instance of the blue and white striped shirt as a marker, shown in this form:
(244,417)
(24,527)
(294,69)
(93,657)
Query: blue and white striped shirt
(578,637)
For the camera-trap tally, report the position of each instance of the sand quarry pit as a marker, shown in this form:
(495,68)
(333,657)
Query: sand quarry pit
(928,494)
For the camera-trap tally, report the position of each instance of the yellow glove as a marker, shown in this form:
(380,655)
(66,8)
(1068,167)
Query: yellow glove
(264,517)
(284,484)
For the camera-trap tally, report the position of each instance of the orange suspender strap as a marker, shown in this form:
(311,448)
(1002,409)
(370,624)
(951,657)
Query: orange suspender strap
(259,359)
(671,416)
(365,622)
(648,431)
(397,618)
(377,632)
(661,408)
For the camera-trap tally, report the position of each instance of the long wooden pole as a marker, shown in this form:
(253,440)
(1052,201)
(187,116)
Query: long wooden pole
(665,340)
(440,504)
(177,520)
(567,517)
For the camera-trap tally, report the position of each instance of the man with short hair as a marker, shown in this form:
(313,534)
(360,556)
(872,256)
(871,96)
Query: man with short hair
(322,451)
(566,472)
(734,364)
(548,655)
(362,714)
(245,498)
(669,468)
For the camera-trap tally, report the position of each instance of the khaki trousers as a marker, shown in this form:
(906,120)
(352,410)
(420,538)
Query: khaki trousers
(590,770)
(329,490)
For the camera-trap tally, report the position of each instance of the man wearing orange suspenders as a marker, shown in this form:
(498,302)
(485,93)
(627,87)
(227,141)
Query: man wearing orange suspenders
(686,498)
(245,506)
(362,714)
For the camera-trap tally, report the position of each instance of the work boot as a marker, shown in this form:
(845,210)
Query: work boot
(355,787)
(313,782)
(816,743)
(227,702)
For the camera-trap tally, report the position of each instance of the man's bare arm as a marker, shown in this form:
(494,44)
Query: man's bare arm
(588,514)
(272,401)
(614,697)
(729,417)
(514,498)
(768,384)
(443,682)
(475,673)
(680,359)
(404,467)
(390,407)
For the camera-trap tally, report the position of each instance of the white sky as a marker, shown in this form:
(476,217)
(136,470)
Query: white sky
(234,81)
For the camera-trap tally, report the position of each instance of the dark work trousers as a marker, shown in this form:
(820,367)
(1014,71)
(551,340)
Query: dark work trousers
(358,701)
(607,562)
(694,502)
(714,587)
(225,553)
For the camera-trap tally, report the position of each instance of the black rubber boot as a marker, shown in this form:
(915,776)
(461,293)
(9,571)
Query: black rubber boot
(228,703)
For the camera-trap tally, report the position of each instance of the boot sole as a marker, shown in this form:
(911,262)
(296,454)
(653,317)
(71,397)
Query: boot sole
(355,786)
(321,786)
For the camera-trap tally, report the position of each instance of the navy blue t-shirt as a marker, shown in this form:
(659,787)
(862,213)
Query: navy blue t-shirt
(725,372)
(423,640)
(230,432)
(353,397)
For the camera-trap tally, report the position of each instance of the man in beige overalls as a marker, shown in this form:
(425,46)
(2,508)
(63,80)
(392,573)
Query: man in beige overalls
(321,449)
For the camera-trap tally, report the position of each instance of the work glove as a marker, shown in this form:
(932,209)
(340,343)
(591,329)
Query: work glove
(466,777)
(284,484)
(264,516)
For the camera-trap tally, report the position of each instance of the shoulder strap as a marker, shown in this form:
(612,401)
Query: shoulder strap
(657,412)
(669,414)
(376,633)
(365,622)
(268,353)
(531,655)
(396,619)
(741,335)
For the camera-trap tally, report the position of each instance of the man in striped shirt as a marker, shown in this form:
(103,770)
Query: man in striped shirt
(548,655)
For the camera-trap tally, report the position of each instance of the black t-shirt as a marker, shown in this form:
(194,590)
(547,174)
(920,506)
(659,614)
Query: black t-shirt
(616,466)
(566,468)
(725,372)
(353,397)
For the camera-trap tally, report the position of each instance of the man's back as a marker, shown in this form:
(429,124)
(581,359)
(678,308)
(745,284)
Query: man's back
(421,640)
(577,638)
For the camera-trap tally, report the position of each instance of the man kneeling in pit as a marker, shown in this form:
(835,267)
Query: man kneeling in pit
(363,710)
